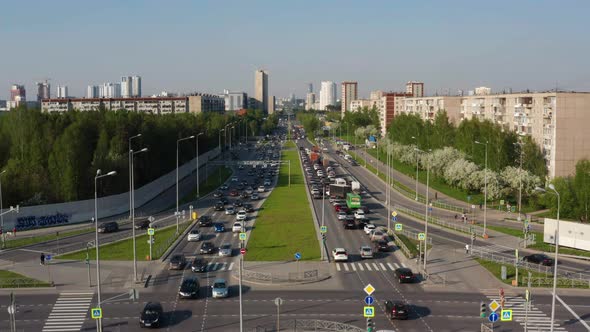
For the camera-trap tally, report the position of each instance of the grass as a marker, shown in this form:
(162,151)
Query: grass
(285,225)
(290,144)
(510,231)
(213,181)
(123,250)
(9,279)
(409,243)
(25,241)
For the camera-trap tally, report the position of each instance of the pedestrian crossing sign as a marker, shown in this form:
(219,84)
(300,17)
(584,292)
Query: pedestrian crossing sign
(369,311)
(398,227)
(151,231)
(242,236)
(96,313)
(421,236)
(324,229)
(506,315)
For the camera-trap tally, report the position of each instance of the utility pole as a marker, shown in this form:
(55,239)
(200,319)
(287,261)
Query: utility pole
(133,153)
(485,199)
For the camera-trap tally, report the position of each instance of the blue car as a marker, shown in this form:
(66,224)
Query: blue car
(219,228)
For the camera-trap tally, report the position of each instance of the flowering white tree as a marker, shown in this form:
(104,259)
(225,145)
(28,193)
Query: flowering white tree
(371,130)
(512,176)
(459,171)
(441,158)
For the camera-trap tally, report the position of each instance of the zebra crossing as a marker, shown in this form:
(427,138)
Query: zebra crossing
(219,266)
(536,320)
(69,312)
(367,266)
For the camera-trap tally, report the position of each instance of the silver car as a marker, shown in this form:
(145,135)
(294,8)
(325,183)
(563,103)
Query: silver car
(225,250)
(219,288)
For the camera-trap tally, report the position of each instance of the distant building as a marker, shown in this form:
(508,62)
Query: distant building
(271,104)
(391,106)
(377,94)
(309,101)
(415,89)
(136,86)
(43,90)
(327,94)
(18,93)
(234,101)
(92,91)
(62,91)
(483,91)
(349,92)
(126,86)
(3,106)
(261,90)
(309,87)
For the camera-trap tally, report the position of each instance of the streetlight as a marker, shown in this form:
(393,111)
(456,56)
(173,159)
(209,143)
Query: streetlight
(197,153)
(220,152)
(415,138)
(130,166)
(133,153)
(98,176)
(520,182)
(426,204)
(2,215)
(177,148)
(552,187)
(485,195)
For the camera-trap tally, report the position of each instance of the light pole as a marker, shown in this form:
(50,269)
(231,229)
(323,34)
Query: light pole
(220,152)
(414,137)
(133,153)
(1,214)
(427,206)
(130,149)
(552,187)
(197,153)
(388,184)
(96,178)
(520,183)
(485,194)
(177,149)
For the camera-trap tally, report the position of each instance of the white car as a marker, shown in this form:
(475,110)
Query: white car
(267,182)
(359,215)
(237,227)
(377,235)
(225,250)
(341,215)
(340,255)
(234,179)
(249,190)
(241,216)
(261,189)
(193,235)
(366,252)
(369,228)
(230,210)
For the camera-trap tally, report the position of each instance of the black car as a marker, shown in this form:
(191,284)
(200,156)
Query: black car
(151,315)
(396,310)
(223,200)
(189,288)
(205,221)
(198,265)
(108,227)
(219,206)
(142,224)
(404,274)
(206,248)
(218,194)
(248,208)
(539,259)
(381,245)
(177,262)
(238,203)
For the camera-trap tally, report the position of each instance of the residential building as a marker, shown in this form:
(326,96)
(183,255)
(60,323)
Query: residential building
(92,91)
(62,91)
(18,93)
(428,107)
(271,104)
(415,89)
(43,90)
(3,106)
(261,90)
(126,86)
(309,87)
(234,101)
(483,91)
(136,86)
(357,104)
(390,107)
(377,94)
(349,92)
(309,101)
(327,94)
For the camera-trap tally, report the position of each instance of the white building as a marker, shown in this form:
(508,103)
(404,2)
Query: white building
(234,101)
(92,91)
(327,94)
(62,91)
(309,101)
(110,90)
(136,86)
(126,86)
(483,91)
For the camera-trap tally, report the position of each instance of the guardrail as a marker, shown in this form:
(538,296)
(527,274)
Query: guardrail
(400,244)
(467,229)
(561,282)
(23,283)
(306,325)
(162,246)
(281,278)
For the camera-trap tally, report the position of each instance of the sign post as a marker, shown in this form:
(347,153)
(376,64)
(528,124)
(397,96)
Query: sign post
(278,303)
(297,258)
(151,233)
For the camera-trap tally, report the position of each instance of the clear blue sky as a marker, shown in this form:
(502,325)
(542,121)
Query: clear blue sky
(211,45)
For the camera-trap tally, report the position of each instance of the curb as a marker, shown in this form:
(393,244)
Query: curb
(323,278)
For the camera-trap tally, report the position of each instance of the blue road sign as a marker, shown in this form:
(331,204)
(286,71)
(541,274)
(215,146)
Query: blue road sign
(430,208)
(394,218)
(493,317)
(297,256)
(369,300)
(47,257)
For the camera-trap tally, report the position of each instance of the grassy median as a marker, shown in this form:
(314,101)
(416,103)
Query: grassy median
(284,225)
(9,279)
(16,242)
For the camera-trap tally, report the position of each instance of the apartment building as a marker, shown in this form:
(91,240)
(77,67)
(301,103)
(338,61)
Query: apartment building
(428,107)
(349,93)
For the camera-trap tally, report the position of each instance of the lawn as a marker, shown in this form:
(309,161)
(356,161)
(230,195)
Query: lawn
(409,243)
(285,225)
(510,231)
(16,242)
(123,250)
(290,144)
(9,279)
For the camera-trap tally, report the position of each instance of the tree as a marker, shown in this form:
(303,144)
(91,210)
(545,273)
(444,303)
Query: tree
(582,188)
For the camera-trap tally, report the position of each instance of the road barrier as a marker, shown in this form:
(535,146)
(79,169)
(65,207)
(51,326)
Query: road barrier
(163,245)
(306,325)
(467,229)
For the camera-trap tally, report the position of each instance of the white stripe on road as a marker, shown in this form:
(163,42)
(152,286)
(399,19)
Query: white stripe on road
(376,267)
(338,266)
(396,265)
(345,266)
(223,266)
(391,266)
(353,267)
(368,266)
(383,267)
(361,267)
(231,266)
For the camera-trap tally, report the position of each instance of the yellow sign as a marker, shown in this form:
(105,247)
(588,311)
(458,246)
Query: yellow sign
(369,311)
(195,215)
(394,214)
(369,289)
(96,313)
(494,306)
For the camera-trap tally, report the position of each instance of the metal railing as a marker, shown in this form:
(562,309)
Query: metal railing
(561,282)
(306,325)
(400,244)
(280,278)
(467,229)
(22,283)
(162,246)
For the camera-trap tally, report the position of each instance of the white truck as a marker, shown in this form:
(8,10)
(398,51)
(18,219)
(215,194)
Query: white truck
(340,181)
(355,186)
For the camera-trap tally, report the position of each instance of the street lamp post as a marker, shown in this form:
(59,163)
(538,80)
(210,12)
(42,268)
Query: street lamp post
(485,194)
(220,152)
(96,243)
(556,237)
(414,137)
(1,214)
(133,153)
(197,153)
(520,183)
(177,157)
(426,204)
(131,198)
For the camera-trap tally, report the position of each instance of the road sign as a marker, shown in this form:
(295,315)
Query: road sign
(297,256)
(398,227)
(528,295)
(279,301)
(47,257)
(369,300)
(501,202)
(506,315)
(324,229)
(151,241)
(151,219)
(421,236)
(493,317)
(151,231)
(369,289)
(96,313)
(430,208)
(243,251)
(242,236)
(494,305)
(369,311)
(394,214)
(11,309)
(394,218)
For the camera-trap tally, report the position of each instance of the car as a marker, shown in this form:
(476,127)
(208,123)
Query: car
(396,309)
(218,227)
(337,207)
(234,179)
(225,250)
(237,227)
(205,221)
(315,191)
(189,288)
(359,215)
(261,189)
(151,315)
(369,228)
(198,265)
(382,246)
(218,194)
(224,187)
(254,197)
(404,274)
(108,227)
(177,262)
(244,195)
(206,248)
(340,255)
(219,288)
(249,190)
(267,182)
(350,222)
(238,203)
(230,210)
(539,259)
(218,206)
(241,216)
(223,200)
(341,215)
(240,187)
(233,193)
(193,235)
(377,235)
(365,209)
(366,252)
(248,208)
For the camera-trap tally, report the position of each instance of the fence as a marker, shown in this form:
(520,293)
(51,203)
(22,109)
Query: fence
(22,283)
(162,246)
(281,278)
(468,229)
(306,325)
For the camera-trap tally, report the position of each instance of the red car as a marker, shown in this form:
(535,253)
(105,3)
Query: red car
(337,207)
(233,193)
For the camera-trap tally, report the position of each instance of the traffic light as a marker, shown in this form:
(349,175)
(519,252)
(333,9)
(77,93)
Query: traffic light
(473,236)
(483,309)
(370,325)
(323,237)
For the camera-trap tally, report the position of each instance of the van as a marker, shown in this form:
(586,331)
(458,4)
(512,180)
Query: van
(108,227)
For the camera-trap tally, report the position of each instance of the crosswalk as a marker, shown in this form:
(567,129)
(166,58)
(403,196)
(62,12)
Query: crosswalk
(536,320)
(69,312)
(220,266)
(367,266)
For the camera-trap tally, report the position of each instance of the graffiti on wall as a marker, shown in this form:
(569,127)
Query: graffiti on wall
(29,222)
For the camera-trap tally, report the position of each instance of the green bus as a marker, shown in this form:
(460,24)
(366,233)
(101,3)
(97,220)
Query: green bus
(353,201)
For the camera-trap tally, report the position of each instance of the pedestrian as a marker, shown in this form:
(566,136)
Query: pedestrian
(435,196)
(42,259)
(455,216)
(466,249)
(480,206)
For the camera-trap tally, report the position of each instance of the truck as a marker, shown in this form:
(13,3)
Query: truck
(340,181)
(355,186)
(339,190)
(353,201)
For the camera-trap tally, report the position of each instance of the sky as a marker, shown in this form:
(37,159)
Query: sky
(208,46)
